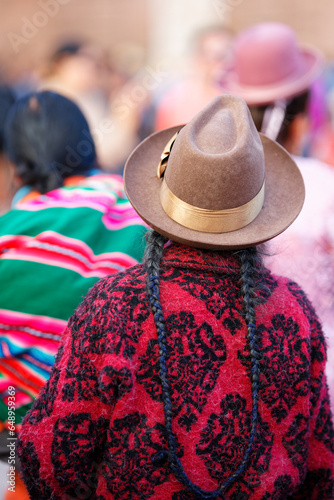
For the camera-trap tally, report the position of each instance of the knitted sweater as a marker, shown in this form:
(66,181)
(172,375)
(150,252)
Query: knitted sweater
(53,249)
(98,426)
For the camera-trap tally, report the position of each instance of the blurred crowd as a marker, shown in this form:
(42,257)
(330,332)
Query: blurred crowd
(125,99)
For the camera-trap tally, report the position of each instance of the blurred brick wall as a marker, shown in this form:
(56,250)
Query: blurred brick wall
(30,29)
(29,32)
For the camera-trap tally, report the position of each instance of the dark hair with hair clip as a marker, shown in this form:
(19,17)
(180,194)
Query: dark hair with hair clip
(47,137)
(250,264)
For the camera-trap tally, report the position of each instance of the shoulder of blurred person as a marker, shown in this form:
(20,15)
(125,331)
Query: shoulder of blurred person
(305,250)
(180,104)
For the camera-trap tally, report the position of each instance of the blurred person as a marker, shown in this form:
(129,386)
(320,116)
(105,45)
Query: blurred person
(74,71)
(268,67)
(197,374)
(69,225)
(273,73)
(82,72)
(210,54)
(317,142)
(323,146)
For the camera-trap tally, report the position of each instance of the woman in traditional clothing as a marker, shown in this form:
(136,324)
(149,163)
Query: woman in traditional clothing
(69,225)
(197,374)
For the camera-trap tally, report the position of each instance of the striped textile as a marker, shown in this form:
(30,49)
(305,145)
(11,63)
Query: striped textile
(53,248)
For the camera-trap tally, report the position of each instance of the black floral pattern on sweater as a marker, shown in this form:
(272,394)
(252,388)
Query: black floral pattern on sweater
(194,363)
(226,438)
(44,405)
(132,458)
(281,383)
(68,431)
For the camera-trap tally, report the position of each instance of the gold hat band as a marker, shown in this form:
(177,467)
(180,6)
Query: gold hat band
(210,221)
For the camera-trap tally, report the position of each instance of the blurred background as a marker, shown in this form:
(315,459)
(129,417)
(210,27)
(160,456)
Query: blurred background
(119,59)
(151,29)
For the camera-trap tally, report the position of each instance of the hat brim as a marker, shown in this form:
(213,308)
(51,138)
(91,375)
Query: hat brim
(313,62)
(284,197)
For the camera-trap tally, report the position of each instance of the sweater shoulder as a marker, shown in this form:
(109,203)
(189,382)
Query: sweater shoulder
(134,276)
(291,297)
(118,291)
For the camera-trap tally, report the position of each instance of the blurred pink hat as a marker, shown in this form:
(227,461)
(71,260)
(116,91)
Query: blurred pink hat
(268,64)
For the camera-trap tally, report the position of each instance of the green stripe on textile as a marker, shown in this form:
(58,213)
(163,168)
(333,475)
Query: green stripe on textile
(129,240)
(3,411)
(19,412)
(44,290)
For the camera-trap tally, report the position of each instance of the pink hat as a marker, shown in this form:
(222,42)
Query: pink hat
(269,65)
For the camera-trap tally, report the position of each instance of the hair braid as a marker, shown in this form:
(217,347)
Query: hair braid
(153,255)
(249,264)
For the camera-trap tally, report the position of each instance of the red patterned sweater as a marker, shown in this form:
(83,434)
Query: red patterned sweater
(98,425)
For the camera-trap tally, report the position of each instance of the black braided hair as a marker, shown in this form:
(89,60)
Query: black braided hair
(249,264)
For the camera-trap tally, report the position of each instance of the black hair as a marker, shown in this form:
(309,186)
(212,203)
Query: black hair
(297,105)
(7,99)
(250,266)
(47,137)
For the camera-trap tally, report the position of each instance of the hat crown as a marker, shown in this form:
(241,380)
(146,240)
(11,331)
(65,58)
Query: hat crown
(267,53)
(217,161)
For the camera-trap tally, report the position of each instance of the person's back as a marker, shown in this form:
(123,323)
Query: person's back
(119,402)
(56,241)
(197,374)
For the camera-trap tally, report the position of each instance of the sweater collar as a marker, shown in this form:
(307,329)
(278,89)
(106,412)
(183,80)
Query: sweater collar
(177,255)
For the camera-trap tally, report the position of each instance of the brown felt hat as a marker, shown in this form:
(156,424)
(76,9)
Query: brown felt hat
(220,185)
